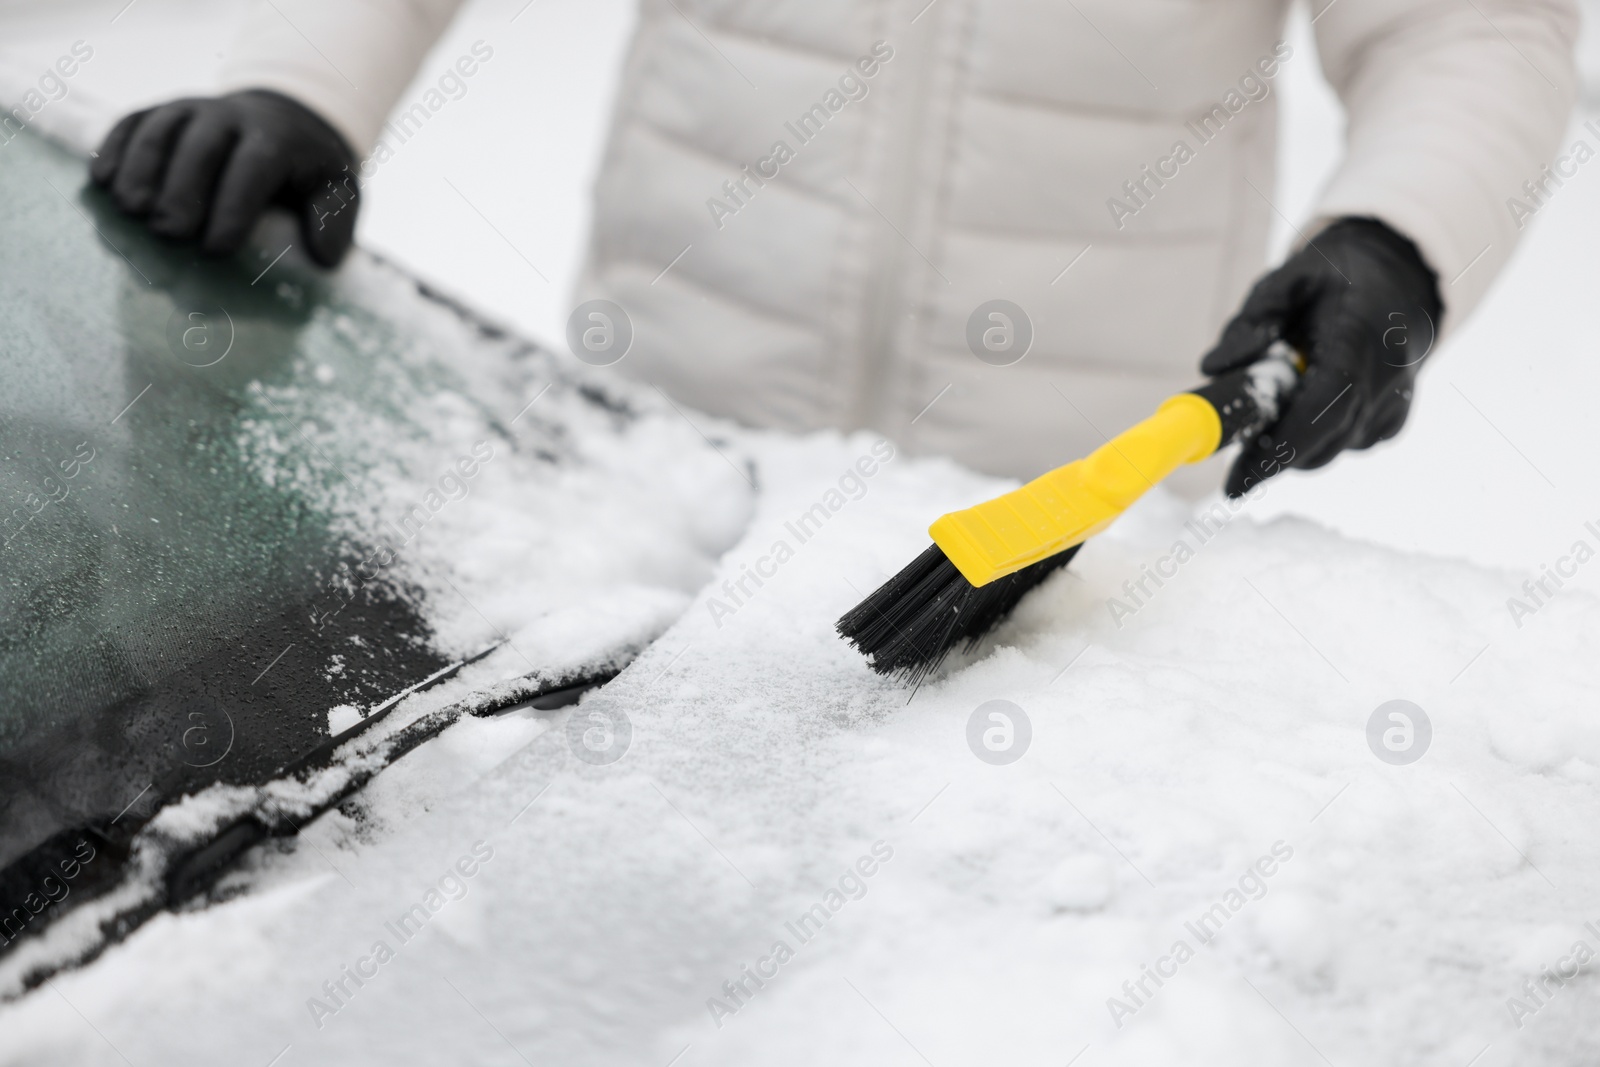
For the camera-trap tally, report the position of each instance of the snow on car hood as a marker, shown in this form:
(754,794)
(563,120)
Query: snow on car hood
(612,884)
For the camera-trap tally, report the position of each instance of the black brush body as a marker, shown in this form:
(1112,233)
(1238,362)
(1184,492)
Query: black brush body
(917,618)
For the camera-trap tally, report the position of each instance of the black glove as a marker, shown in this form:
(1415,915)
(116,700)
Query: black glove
(205,169)
(1363,308)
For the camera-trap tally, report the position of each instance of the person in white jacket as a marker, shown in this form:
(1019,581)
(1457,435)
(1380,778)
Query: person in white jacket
(996,231)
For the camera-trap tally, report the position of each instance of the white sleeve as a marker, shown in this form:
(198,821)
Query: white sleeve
(347,60)
(1451,107)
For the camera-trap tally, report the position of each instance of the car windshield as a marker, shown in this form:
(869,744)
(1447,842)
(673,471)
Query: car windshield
(175,573)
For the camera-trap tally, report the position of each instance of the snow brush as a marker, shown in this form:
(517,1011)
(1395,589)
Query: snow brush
(984,559)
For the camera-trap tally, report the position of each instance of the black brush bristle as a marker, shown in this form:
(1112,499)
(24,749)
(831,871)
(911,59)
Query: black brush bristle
(925,612)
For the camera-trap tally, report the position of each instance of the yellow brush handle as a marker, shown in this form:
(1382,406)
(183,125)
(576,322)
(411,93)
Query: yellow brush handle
(1073,503)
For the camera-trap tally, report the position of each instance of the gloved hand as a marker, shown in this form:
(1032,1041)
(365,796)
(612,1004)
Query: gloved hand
(206,168)
(1363,309)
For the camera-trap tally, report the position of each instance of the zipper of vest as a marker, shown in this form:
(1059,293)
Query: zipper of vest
(893,262)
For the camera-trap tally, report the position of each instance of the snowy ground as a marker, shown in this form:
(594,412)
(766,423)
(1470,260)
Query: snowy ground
(1224,724)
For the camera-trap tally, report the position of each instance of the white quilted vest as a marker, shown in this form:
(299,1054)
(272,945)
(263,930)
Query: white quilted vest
(804,202)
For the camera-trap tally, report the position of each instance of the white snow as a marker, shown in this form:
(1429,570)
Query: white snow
(343,717)
(1224,723)
(525,510)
